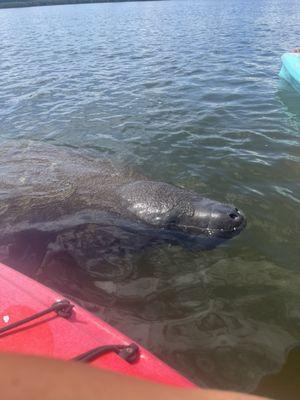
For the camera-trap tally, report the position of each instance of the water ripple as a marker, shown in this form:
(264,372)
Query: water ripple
(189,93)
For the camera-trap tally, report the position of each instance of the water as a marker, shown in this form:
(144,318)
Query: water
(186,92)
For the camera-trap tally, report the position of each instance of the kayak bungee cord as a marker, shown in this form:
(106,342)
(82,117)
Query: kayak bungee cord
(64,308)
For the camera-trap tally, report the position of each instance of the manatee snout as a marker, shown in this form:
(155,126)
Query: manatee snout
(217,219)
(175,209)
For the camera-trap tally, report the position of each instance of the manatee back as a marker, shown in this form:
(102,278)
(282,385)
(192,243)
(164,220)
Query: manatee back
(43,182)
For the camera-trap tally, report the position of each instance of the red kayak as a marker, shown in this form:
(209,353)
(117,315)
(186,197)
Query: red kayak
(38,321)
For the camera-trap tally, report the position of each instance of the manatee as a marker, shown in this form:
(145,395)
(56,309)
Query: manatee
(50,194)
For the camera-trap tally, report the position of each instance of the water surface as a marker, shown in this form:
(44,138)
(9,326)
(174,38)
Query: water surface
(186,92)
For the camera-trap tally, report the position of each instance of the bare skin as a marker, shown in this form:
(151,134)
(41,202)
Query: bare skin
(296,51)
(35,378)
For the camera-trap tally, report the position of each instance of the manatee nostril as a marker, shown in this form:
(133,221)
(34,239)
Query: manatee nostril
(234,215)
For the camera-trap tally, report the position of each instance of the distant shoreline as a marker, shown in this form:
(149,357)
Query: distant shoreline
(38,3)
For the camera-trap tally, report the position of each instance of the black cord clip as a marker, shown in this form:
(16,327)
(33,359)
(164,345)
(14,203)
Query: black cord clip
(63,308)
(130,353)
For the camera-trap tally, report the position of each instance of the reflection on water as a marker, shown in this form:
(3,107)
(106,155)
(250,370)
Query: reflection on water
(290,99)
(187,92)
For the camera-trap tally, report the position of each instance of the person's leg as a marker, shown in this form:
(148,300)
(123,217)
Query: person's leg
(36,378)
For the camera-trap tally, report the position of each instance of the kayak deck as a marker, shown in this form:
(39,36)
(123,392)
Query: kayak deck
(52,335)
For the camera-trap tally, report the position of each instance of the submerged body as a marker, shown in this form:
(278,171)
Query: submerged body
(50,192)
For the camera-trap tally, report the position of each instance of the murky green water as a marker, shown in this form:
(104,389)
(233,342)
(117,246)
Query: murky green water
(186,92)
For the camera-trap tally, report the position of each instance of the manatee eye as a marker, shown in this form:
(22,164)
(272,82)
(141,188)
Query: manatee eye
(172,220)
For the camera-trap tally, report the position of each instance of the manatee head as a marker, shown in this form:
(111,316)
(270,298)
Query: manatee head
(181,212)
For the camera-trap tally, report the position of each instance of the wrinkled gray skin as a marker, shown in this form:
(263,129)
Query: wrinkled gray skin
(48,194)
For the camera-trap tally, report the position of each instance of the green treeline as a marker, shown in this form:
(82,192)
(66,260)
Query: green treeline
(32,3)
